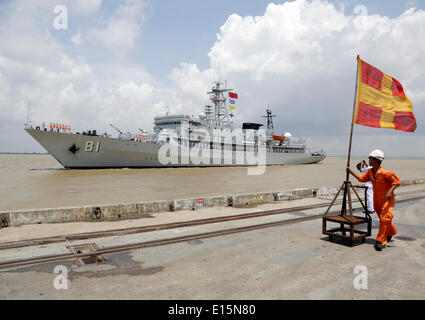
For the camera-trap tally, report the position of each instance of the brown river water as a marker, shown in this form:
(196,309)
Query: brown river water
(29,181)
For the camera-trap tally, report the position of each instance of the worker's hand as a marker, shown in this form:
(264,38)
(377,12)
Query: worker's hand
(349,170)
(389,195)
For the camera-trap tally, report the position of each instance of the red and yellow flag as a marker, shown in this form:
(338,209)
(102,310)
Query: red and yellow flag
(381,101)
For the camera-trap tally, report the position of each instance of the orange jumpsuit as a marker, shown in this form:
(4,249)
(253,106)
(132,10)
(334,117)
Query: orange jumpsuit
(382,182)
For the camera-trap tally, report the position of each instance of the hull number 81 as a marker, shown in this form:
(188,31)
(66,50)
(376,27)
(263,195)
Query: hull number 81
(92,146)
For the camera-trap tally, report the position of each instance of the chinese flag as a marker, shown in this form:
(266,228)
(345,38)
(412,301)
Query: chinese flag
(233,95)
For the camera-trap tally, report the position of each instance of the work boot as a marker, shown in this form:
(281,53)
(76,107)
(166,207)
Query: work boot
(389,238)
(378,246)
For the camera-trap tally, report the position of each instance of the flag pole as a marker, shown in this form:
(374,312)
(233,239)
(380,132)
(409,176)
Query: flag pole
(347,178)
(352,120)
(347,185)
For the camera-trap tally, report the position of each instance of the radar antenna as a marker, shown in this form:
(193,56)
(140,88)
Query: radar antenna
(269,117)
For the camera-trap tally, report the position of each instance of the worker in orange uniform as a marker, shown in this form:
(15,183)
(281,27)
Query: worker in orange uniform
(384,183)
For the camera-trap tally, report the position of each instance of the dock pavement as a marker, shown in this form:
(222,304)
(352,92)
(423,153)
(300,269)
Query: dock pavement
(293,261)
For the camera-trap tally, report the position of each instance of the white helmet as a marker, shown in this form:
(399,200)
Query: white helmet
(377,154)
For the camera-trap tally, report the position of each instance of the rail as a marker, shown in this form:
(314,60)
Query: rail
(152,243)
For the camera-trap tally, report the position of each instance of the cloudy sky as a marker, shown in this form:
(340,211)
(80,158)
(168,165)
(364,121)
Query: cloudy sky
(124,62)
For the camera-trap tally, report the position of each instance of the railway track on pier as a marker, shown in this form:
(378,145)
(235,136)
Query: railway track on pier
(153,243)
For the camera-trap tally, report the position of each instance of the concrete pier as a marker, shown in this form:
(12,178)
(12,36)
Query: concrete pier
(143,209)
(293,261)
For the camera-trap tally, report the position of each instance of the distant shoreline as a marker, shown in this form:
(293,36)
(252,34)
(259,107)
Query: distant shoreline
(24,153)
(352,157)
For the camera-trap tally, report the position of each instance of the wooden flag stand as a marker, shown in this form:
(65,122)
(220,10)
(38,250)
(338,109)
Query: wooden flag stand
(347,218)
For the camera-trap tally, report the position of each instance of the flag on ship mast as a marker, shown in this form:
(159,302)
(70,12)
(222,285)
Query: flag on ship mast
(381,101)
(232,102)
(233,95)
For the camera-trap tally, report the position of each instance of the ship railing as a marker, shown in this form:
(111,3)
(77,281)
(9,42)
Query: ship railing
(215,141)
(294,145)
(316,152)
(295,140)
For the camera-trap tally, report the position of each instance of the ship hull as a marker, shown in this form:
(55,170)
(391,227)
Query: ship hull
(76,151)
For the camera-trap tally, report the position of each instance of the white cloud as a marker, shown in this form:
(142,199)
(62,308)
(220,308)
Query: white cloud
(36,67)
(85,7)
(190,86)
(77,39)
(288,37)
(300,57)
(122,29)
(137,95)
(300,36)
(22,41)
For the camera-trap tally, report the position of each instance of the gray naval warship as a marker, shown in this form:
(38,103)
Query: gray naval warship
(178,140)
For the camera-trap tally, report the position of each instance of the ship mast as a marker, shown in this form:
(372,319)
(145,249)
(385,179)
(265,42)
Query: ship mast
(269,117)
(221,116)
